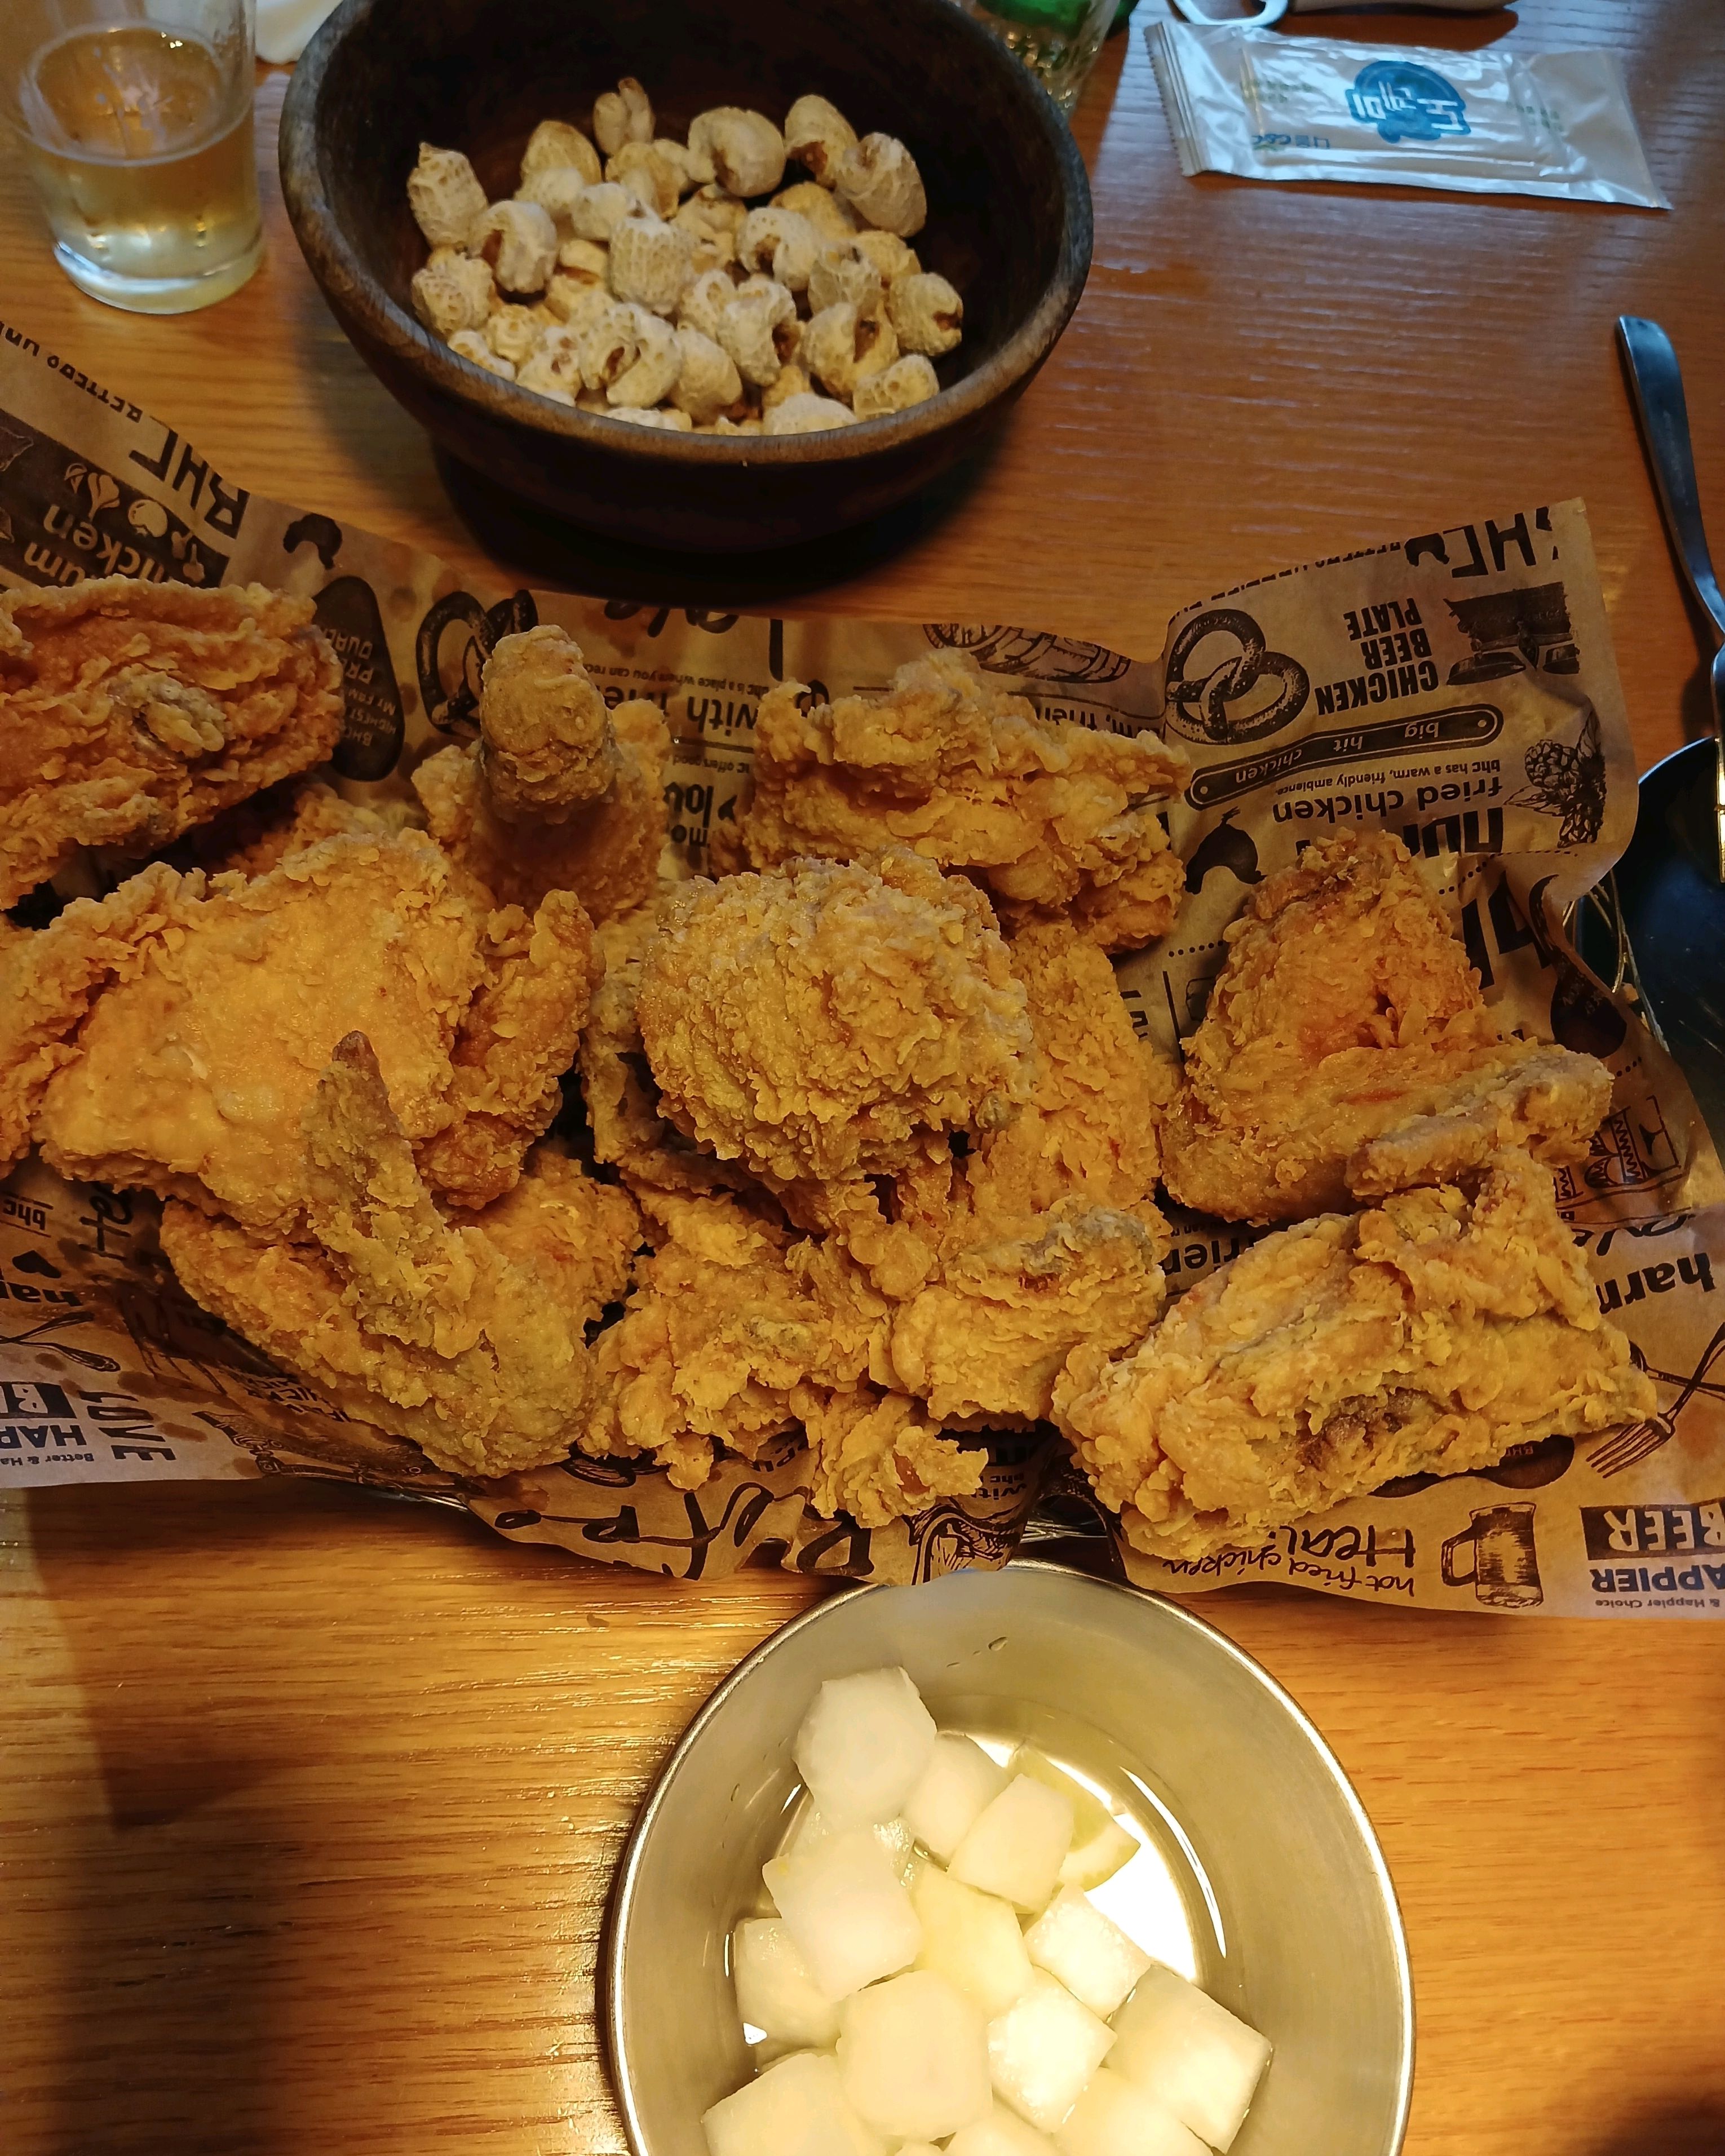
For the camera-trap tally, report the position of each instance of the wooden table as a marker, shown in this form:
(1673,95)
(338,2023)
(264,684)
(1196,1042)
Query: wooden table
(309,1801)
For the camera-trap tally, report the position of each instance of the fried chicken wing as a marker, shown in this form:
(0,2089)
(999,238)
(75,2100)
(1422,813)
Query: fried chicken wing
(1427,1335)
(1052,817)
(814,1022)
(129,712)
(468,1340)
(170,1036)
(557,794)
(1347,1051)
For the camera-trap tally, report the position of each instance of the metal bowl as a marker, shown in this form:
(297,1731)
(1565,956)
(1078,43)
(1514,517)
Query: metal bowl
(1259,1866)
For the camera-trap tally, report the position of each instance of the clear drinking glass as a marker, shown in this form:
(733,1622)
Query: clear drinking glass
(135,121)
(1058,40)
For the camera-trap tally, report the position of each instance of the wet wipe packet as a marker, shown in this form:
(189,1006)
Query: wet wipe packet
(1268,107)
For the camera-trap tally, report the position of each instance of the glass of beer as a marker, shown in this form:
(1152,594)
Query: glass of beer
(135,121)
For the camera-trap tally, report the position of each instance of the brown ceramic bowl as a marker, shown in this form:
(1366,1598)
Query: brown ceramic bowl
(1009,224)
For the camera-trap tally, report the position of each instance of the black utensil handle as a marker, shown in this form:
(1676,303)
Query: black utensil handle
(1657,387)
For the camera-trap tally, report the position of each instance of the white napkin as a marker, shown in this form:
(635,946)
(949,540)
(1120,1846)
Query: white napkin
(285,26)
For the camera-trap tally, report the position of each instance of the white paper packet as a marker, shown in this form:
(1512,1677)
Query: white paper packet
(1271,108)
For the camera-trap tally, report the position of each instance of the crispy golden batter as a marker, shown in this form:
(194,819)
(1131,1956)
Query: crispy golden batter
(815,1022)
(545,743)
(129,712)
(735,1334)
(1428,1335)
(557,794)
(722,1343)
(1347,1051)
(879,1456)
(170,1036)
(258,834)
(1052,817)
(1089,1126)
(987,1337)
(629,1132)
(468,1340)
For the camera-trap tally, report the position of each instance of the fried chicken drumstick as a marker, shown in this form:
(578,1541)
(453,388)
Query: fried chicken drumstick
(1347,1051)
(558,794)
(1052,818)
(129,712)
(1427,1335)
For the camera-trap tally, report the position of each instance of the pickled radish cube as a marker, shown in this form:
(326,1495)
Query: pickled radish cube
(1043,2050)
(913,2057)
(1100,1844)
(864,1745)
(795,2108)
(846,1911)
(1116,2117)
(894,1836)
(775,1992)
(1194,2055)
(1002,2133)
(918,2148)
(1089,1953)
(971,1938)
(1016,1847)
(959,1781)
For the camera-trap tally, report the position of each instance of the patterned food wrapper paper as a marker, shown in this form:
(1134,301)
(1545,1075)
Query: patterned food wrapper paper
(1457,687)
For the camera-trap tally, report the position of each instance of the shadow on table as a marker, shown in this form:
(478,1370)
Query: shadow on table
(554,552)
(166,1991)
(1688,2132)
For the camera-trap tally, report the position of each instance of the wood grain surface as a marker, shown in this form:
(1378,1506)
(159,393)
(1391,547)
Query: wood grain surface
(308,1802)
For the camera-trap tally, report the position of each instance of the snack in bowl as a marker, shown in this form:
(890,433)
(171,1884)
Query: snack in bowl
(678,284)
(914,1985)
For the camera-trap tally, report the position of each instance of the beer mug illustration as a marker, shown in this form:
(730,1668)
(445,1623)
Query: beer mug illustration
(1502,1567)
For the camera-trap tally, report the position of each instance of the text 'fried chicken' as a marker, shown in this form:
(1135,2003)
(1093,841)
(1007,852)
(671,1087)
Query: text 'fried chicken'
(1347,1052)
(558,794)
(170,1036)
(129,712)
(1427,1335)
(470,1340)
(1052,817)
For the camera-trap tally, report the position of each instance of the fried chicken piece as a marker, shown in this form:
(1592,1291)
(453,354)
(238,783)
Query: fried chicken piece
(1089,1126)
(470,1340)
(812,1023)
(738,1334)
(879,1457)
(629,1132)
(557,794)
(722,1342)
(170,1036)
(258,834)
(1052,818)
(129,712)
(1347,1051)
(1426,1335)
(545,743)
(987,1338)
(1043,1238)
